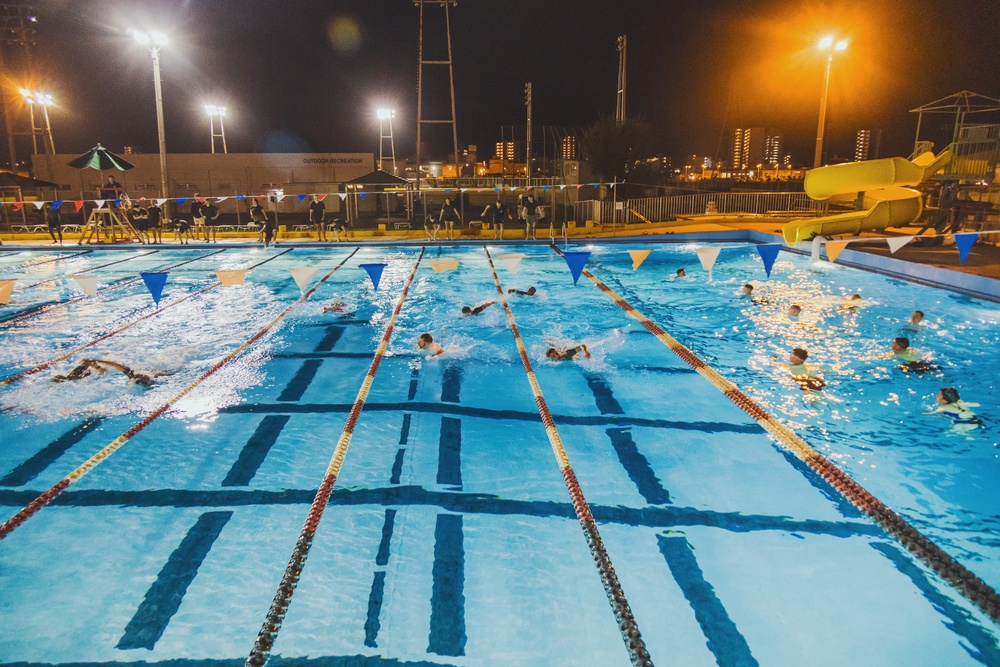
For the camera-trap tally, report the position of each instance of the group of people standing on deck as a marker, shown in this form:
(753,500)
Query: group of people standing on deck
(496,214)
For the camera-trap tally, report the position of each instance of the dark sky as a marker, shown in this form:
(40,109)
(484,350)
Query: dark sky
(306,75)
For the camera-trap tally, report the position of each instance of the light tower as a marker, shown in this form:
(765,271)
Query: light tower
(421,120)
(154,41)
(620,100)
(33,98)
(527,104)
(212,112)
(828,46)
(385,119)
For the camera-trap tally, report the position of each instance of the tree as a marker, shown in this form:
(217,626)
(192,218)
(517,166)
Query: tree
(614,149)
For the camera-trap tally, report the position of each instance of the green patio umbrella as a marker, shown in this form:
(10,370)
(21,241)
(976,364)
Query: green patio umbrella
(100,158)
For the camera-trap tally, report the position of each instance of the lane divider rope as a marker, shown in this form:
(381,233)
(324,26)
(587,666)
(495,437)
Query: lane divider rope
(48,364)
(282,598)
(961,578)
(88,465)
(623,613)
(38,262)
(34,311)
(93,268)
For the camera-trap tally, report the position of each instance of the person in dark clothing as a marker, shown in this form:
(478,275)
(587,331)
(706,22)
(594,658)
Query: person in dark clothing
(54,221)
(530,216)
(449,215)
(496,214)
(154,218)
(197,218)
(317,214)
(259,217)
(210,213)
(111,190)
(140,221)
(469,310)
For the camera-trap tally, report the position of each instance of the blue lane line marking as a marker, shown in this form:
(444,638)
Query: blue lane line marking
(372,623)
(382,557)
(450,453)
(960,621)
(749,427)
(404,434)
(397,466)
(42,459)
(451,382)
(606,402)
(164,597)
(301,380)
(725,642)
(449,501)
(637,467)
(413,384)
(255,451)
(330,339)
(447,635)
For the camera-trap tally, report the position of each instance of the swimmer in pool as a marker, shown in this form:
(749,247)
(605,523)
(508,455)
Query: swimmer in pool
(568,353)
(910,358)
(426,342)
(528,292)
(748,294)
(806,377)
(89,367)
(794,311)
(681,273)
(469,310)
(852,303)
(951,404)
(337,306)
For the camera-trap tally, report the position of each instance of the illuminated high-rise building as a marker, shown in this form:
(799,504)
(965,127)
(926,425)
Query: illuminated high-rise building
(866,147)
(568,148)
(754,146)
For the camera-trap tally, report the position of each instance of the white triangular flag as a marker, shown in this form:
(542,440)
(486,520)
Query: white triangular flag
(99,203)
(159,202)
(230,278)
(897,242)
(708,257)
(38,204)
(6,289)
(87,283)
(513,261)
(302,274)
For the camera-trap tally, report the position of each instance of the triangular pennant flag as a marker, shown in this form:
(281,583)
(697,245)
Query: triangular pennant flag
(159,202)
(99,203)
(201,200)
(342,195)
(57,204)
(87,283)
(440,265)
(576,261)
(834,248)
(708,257)
(321,197)
(6,289)
(363,194)
(512,262)
(78,203)
(638,257)
(897,242)
(579,185)
(302,275)
(374,272)
(38,204)
(219,200)
(964,243)
(18,205)
(181,201)
(562,187)
(768,252)
(154,283)
(496,189)
(118,202)
(279,197)
(230,278)
(240,197)
(301,198)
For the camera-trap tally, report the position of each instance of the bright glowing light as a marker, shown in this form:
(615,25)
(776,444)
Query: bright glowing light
(841,45)
(36,97)
(385,113)
(150,38)
(825,43)
(213,110)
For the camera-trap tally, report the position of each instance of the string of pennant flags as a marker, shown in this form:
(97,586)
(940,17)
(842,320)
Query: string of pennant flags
(575,261)
(299,198)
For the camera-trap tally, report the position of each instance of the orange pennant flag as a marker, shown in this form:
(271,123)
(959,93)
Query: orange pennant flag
(834,248)
(638,257)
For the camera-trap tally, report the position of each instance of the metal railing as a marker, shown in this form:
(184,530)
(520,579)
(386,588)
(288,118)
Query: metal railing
(665,209)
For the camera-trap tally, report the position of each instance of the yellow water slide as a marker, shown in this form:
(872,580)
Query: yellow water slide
(886,200)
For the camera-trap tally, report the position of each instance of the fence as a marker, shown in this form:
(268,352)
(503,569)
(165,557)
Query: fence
(664,209)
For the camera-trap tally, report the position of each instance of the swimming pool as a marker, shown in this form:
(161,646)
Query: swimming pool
(450,537)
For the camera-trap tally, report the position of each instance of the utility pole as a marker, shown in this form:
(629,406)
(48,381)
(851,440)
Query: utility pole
(527,103)
(620,99)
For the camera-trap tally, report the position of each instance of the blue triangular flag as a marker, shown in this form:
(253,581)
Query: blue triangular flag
(496,189)
(239,197)
(301,198)
(363,194)
(181,201)
(374,272)
(576,261)
(545,188)
(154,283)
(57,204)
(118,202)
(964,243)
(768,253)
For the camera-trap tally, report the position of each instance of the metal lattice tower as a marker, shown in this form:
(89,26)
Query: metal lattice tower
(421,121)
(17,29)
(620,99)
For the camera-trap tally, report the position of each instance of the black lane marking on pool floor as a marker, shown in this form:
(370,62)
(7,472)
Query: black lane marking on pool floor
(725,641)
(164,596)
(301,380)
(603,396)
(449,471)
(47,455)
(451,382)
(638,468)
(467,503)
(376,596)
(749,427)
(256,450)
(447,633)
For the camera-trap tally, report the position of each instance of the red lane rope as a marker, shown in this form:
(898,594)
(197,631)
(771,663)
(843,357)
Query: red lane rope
(48,364)
(129,281)
(283,597)
(88,465)
(623,613)
(961,578)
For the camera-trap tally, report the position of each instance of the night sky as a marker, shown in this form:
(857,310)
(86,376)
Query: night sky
(306,75)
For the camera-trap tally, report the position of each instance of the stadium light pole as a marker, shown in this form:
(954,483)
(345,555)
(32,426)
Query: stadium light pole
(212,112)
(33,97)
(828,46)
(154,41)
(385,116)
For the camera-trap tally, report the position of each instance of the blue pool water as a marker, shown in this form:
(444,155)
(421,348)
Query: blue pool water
(450,538)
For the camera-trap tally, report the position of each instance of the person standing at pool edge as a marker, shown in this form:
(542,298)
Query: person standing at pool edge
(317,211)
(54,221)
(449,214)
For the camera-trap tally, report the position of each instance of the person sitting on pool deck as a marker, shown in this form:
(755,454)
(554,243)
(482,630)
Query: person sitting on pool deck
(567,354)
(426,341)
(910,357)
(88,367)
(528,292)
(949,403)
(469,310)
(805,376)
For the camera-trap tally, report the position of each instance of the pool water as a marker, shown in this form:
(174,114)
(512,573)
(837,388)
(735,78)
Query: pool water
(450,538)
